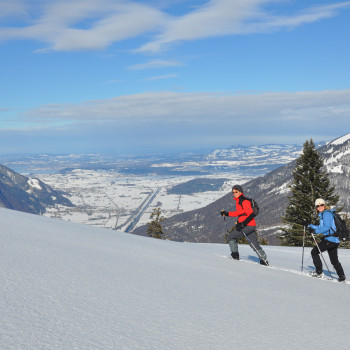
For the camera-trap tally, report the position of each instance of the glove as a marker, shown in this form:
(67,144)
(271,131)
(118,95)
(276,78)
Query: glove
(224,213)
(311,230)
(239,226)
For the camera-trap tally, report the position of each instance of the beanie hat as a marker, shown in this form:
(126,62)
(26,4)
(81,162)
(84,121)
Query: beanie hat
(238,188)
(319,201)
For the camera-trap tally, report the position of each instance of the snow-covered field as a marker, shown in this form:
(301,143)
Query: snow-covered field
(108,198)
(70,286)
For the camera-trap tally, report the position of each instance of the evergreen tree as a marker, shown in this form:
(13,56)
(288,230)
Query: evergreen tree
(345,245)
(155,229)
(310,181)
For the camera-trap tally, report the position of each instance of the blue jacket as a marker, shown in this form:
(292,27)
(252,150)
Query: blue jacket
(326,226)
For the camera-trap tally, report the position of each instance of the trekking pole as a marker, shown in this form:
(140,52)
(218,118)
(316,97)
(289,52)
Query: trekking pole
(321,254)
(302,258)
(252,245)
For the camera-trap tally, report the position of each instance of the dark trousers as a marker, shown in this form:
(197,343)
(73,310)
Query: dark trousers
(332,249)
(253,240)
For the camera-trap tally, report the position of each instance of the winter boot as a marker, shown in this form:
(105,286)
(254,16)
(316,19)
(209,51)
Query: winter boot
(341,278)
(264,262)
(235,255)
(340,272)
(317,274)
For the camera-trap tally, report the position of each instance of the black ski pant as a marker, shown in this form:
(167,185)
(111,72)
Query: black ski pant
(332,249)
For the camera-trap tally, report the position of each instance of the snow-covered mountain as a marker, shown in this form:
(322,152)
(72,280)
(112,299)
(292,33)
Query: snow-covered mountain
(337,164)
(270,191)
(236,159)
(257,154)
(27,194)
(255,160)
(72,286)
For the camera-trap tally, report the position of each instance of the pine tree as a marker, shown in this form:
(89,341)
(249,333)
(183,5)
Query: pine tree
(155,229)
(346,244)
(310,181)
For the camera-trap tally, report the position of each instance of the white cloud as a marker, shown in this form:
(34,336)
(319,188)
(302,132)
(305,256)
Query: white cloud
(166,121)
(216,17)
(86,24)
(281,107)
(96,24)
(160,77)
(11,8)
(309,15)
(225,17)
(155,64)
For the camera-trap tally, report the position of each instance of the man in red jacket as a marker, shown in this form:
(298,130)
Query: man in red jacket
(246,223)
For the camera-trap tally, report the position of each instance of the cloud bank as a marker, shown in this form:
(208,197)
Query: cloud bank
(76,25)
(201,107)
(168,121)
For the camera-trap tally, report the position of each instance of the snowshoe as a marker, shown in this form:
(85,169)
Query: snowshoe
(264,262)
(316,274)
(341,278)
(235,255)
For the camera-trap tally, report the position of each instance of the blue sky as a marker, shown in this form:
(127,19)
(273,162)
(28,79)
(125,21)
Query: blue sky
(157,76)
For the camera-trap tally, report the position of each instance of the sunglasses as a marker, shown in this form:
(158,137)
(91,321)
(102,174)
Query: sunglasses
(321,205)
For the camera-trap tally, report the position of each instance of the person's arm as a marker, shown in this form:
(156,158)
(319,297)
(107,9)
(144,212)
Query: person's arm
(238,212)
(326,226)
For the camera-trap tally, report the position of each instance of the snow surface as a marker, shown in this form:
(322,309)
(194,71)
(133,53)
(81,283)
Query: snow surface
(108,198)
(70,286)
(341,140)
(34,183)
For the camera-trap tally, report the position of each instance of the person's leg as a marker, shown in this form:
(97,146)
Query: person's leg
(232,241)
(315,254)
(333,257)
(254,242)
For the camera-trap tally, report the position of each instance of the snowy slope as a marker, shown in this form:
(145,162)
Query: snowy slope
(70,286)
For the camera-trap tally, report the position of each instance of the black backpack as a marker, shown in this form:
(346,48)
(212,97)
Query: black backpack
(342,231)
(254,204)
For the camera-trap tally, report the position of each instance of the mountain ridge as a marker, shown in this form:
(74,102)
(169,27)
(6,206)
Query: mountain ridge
(26,194)
(270,191)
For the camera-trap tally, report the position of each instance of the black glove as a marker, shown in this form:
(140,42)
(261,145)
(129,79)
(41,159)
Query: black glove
(224,213)
(311,230)
(239,226)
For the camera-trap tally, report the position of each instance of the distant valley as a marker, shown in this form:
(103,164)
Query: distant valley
(120,192)
(271,191)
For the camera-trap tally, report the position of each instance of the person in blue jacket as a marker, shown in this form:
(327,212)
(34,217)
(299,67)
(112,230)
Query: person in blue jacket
(329,242)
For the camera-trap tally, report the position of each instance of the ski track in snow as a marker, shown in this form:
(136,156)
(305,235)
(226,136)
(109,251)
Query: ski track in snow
(72,286)
(332,277)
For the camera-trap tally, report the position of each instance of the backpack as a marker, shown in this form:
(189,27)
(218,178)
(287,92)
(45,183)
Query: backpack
(254,205)
(342,231)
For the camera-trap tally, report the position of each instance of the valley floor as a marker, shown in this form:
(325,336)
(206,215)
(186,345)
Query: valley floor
(110,199)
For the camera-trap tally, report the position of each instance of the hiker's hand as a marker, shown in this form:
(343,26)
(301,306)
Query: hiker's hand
(311,230)
(224,213)
(239,226)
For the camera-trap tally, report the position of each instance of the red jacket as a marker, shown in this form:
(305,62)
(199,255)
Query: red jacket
(243,210)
